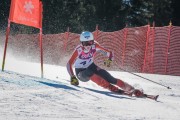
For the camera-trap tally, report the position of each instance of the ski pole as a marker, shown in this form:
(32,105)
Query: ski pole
(146,79)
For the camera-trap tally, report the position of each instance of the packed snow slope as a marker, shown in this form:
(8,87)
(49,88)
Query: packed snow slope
(26,96)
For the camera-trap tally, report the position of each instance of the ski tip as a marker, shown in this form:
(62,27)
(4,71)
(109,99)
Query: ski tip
(156,97)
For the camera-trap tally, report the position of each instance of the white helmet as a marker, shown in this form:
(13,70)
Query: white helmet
(86,36)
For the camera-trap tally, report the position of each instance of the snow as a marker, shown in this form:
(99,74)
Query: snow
(26,96)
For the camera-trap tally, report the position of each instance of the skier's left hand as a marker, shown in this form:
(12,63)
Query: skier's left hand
(107,62)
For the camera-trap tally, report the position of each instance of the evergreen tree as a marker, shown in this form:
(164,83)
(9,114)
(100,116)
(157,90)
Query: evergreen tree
(110,15)
(141,12)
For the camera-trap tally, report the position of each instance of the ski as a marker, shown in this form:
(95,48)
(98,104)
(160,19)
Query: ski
(153,97)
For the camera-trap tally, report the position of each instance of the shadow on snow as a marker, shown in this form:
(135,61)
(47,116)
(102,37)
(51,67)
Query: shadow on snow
(110,94)
(56,85)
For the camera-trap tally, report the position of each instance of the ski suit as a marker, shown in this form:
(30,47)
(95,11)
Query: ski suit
(86,69)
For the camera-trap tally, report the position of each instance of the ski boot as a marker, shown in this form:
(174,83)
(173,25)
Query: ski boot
(138,93)
(128,93)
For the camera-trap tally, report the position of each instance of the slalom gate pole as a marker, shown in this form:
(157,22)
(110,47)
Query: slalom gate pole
(146,79)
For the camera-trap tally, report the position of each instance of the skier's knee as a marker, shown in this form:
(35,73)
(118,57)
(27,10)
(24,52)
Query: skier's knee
(83,77)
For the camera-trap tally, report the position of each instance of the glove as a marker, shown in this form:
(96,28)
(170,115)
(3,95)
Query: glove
(107,62)
(74,81)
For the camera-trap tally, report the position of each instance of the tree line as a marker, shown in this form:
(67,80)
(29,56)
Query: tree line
(109,15)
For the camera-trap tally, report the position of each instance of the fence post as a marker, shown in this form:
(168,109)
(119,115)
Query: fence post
(146,49)
(124,46)
(152,56)
(167,50)
(96,32)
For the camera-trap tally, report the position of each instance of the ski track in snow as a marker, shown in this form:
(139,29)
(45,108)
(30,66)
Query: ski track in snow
(28,97)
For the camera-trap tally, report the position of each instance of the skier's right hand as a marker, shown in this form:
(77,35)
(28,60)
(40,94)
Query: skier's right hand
(74,81)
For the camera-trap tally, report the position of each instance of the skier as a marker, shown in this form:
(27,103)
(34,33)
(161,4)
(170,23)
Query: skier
(86,69)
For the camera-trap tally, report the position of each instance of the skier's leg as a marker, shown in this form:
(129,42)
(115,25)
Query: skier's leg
(106,75)
(123,85)
(84,74)
(126,87)
(105,84)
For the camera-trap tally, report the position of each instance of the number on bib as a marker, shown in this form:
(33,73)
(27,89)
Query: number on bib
(84,62)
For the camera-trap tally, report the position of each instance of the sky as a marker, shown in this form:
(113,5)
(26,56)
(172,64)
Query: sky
(27,96)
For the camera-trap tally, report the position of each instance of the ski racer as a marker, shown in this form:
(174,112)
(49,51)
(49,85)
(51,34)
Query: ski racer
(86,69)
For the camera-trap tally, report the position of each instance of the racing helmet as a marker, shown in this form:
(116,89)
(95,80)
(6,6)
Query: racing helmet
(86,36)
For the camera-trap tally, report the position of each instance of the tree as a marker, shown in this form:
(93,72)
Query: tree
(141,12)
(176,13)
(110,15)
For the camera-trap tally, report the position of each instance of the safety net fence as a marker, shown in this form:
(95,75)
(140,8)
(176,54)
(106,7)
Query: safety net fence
(143,49)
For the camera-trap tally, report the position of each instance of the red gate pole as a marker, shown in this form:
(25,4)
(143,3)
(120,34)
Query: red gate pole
(41,50)
(6,42)
(167,50)
(40,39)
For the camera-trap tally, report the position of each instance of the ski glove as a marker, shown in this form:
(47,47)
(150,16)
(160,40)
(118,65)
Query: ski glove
(74,81)
(107,62)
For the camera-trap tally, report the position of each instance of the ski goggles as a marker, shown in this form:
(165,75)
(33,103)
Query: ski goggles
(88,43)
